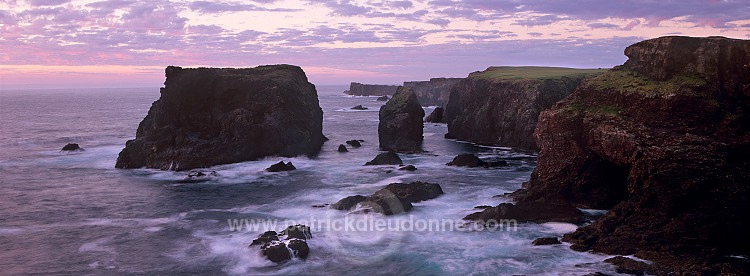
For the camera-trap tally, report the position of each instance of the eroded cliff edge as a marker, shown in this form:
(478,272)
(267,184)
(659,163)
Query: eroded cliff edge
(664,141)
(500,106)
(211,116)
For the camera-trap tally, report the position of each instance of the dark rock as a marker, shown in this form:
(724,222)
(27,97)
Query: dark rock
(348,203)
(298,231)
(436,116)
(342,148)
(265,238)
(410,168)
(629,266)
(537,212)
(276,251)
(415,191)
(500,106)
(358,89)
(386,158)
(482,207)
(319,205)
(449,136)
(383,98)
(211,116)
(387,203)
(359,107)
(281,166)
(472,161)
(432,92)
(299,248)
(663,143)
(354,143)
(401,128)
(200,174)
(545,241)
(71,147)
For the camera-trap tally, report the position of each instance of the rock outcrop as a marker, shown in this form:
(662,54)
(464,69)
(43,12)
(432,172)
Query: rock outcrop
(664,141)
(290,243)
(401,128)
(358,89)
(500,106)
(538,212)
(472,161)
(386,158)
(71,147)
(433,92)
(211,116)
(281,167)
(395,198)
(436,116)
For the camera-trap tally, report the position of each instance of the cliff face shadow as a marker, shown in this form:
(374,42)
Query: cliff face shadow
(604,183)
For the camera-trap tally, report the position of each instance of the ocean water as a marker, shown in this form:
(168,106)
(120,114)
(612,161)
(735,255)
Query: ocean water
(75,214)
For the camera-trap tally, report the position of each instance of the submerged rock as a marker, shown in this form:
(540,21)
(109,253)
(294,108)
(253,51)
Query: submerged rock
(211,116)
(415,191)
(537,212)
(354,143)
(281,166)
(387,203)
(386,158)
(71,147)
(545,241)
(472,161)
(400,128)
(348,202)
(359,107)
(410,168)
(383,98)
(342,148)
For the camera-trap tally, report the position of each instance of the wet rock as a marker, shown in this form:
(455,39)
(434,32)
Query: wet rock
(290,243)
(387,203)
(415,191)
(537,212)
(628,265)
(359,107)
(401,128)
(265,238)
(212,116)
(298,231)
(276,251)
(299,248)
(410,168)
(386,158)
(383,98)
(348,203)
(71,147)
(354,143)
(545,241)
(342,148)
(472,161)
(281,166)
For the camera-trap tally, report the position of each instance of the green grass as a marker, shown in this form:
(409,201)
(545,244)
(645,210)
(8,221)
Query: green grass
(535,72)
(632,82)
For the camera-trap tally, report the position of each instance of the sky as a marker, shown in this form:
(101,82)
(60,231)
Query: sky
(128,43)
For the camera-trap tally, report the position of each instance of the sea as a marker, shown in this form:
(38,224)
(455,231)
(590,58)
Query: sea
(74,213)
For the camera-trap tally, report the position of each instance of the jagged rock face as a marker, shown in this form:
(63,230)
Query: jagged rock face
(400,127)
(210,116)
(668,149)
(436,116)
(433,92)
(502,112)
(358,89)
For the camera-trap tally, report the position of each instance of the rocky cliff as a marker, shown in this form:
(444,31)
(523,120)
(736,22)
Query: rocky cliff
(358,89)
(400,128)
(500,106)
(210,116)
(433,92)
(664,143)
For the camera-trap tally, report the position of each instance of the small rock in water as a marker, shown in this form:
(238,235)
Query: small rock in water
(281,166)
(293,245)
(201,174)
(472,161)
(342,148)
(359,107)
(386,158)
(410,168)
(545,241)
(348,202)
(71,147)
(354,143)
(276,251)
(383,98)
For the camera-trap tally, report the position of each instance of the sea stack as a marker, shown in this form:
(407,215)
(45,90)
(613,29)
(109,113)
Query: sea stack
(663,141)
(211,116)
(400,127)
(500,106)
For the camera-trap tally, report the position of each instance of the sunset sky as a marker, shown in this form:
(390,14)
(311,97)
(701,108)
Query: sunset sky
(124,43)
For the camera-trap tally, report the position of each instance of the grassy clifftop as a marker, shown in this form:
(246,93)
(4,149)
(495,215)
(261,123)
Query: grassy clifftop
(534,72)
